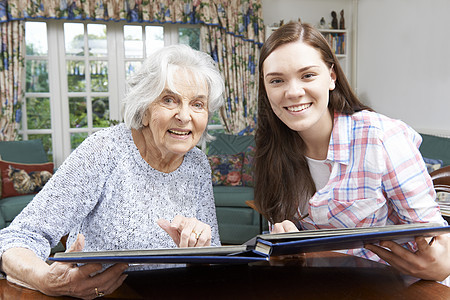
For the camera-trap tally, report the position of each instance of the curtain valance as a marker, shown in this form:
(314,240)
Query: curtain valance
(241,18)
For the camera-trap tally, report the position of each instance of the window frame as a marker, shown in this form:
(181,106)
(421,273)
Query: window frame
(58,93)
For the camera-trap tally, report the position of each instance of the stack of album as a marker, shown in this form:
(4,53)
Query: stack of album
(443,199)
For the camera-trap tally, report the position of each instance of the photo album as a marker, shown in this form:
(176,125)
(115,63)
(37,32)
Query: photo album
(262,247)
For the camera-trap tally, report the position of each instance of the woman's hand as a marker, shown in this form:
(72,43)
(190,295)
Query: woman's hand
(285,226)
(60,279)
(431,261)
(187,232)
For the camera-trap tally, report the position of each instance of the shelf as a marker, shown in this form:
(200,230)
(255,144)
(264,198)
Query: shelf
(332,30)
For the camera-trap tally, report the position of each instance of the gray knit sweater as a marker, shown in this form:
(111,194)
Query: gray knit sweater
(106,191)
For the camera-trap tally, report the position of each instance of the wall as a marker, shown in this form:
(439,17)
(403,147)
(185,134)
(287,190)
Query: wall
(311,11)
(401,59)
(403,65)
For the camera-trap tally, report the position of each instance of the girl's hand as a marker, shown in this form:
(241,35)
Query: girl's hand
(431,261)
(187,232)
(285,226)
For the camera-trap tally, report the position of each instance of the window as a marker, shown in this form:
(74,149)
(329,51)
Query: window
(75,76)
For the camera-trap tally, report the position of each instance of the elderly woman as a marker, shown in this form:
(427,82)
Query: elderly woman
(141,184)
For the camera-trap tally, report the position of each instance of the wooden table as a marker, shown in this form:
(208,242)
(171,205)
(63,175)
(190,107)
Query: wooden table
(322,275)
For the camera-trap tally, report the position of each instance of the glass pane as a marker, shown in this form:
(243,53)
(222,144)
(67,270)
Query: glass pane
(216,131)
(74,38)
(36,38)
(76,79)
(37,76)
(133,44)
(77,138)
(131,67)
(97,39)
(99,76)
(215,119)
(189,36)
(77,112)
(38,113)
(46,141)
(100,111)
(154,38)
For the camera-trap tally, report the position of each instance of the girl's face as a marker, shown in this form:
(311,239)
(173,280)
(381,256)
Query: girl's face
(298,83)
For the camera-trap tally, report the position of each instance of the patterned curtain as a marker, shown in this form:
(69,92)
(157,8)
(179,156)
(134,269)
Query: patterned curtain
(237,54)
(232,31)
(11,68)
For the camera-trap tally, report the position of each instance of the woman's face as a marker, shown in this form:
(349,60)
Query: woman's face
(178,119)
(297,83)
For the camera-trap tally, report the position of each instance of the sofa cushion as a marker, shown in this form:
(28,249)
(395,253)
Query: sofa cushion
(229,143)
(247,167)
(21,179)
(232,196)
(237,225)
(29,152)
(226,169)
(10,207)
(436,147)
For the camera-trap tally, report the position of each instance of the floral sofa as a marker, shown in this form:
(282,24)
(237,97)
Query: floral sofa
(231,159)
(20,164)
(435,151)
(436,154)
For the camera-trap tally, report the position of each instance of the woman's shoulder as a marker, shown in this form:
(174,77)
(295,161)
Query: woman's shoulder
(109,136)
(107,142)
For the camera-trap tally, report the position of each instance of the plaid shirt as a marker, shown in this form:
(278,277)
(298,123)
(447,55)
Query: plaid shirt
(377,178)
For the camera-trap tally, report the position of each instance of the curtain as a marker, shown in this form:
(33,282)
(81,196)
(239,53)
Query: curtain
(232,31)
(11,70)
(237,54)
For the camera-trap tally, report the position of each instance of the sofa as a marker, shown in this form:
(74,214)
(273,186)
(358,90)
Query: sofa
(436,148)
(231,158)
(22,155)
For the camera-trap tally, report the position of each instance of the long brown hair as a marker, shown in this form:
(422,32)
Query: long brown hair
(282,177)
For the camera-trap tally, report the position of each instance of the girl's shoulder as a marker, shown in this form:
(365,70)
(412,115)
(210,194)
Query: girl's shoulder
(382,126)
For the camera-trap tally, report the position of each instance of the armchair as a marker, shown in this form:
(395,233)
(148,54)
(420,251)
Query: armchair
(24,152)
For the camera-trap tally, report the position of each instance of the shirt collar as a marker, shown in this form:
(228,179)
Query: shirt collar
(340,140)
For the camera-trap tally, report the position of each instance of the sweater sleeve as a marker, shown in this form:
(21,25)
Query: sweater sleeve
(64,201)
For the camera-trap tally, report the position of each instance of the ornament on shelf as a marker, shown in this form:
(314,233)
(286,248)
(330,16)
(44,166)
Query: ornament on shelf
(322,23)
(334,21)
(342,21)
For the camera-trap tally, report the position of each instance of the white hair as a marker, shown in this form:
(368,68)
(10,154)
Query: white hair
(147,84)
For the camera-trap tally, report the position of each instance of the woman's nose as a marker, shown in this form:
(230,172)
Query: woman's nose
(183,114)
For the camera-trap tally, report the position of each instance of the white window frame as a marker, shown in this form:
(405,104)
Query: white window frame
(58,85)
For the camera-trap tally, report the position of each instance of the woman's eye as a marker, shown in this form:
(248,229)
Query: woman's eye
(199,105)
(168,100)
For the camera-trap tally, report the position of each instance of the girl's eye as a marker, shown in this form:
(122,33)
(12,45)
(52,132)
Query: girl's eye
(275,81)
(309,76)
